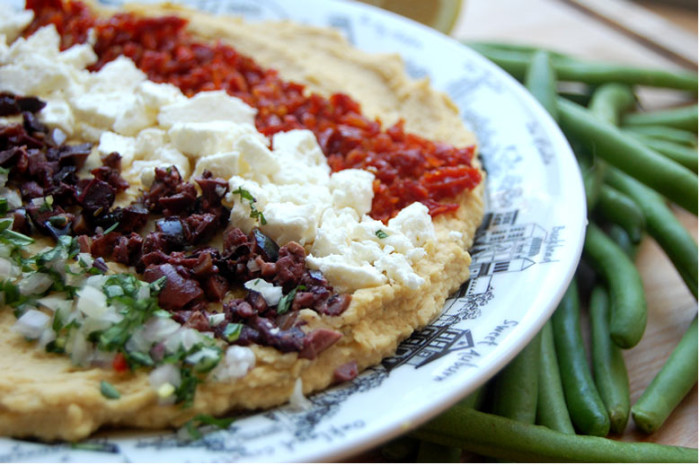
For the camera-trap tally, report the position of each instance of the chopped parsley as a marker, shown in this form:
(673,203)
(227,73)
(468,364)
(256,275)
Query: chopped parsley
(285,302)
(191,428)
(232,331)
(111,228)
(109,391)
(254,212)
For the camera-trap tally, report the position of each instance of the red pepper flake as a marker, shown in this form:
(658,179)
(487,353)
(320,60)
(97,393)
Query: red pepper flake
(408,168)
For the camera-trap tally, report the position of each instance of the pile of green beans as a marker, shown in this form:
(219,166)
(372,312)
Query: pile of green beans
(560,399)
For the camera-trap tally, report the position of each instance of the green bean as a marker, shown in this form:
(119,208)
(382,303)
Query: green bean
(670,385)
(501,438)
(610,100)
(592,172)
(551,404)
(685,117)
(606,141)
(515,386)
(528,50)
(685,156)
(618,208)
(582,400)
(628,316)
(571,69)
(474,400)
(541,82)
(618,234)
(430,452)
(402,449)
(679,136)
(579,98)
(609,371)
(661,224)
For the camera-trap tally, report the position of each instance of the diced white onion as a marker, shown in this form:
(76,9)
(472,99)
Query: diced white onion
(47,335)
(216,319)
(6,268)
(55,302)
(164,379)
(271,293)
(184,338)
(297,401)
(79,348)
(86,258)
(31,324)
(97,281)
(235,364)
(252,265)
(202,354)
(166,373)
(35,283)
(92,302)
(157,329)
(14,200)
(144,292)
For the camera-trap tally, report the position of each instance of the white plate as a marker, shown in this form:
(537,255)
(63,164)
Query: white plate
(524,256)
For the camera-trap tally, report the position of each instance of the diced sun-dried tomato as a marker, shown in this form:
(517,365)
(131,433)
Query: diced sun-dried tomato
(408,168)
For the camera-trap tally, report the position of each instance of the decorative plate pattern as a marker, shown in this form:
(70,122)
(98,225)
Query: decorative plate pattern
(524,255)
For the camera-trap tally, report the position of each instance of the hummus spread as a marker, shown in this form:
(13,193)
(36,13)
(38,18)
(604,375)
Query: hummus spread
(45,395)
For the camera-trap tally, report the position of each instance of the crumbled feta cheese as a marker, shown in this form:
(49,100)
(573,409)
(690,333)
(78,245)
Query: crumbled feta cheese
(32,65)
(255,157)
(13,22)
(58,113)
(352,188)
(78,56)
(224,164)
(415,223)
(125,146)
(158,95)
(344,275)
(199,139)
(205,107)
(286,222)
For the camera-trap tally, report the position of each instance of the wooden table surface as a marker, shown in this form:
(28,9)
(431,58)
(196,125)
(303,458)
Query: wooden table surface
(561,25)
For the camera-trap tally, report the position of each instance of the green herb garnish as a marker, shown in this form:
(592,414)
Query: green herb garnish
(232,331)
(111,228)
(109,391)
(381,234)
(254,212)
(285,302)
(192,426)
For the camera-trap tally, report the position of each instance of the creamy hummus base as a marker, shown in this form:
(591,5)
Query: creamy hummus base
(43,395)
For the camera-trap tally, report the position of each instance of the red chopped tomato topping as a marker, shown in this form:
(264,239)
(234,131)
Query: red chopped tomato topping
(408,168)
(119,363)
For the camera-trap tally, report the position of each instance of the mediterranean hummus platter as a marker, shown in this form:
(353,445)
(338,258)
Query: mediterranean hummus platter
(259,230)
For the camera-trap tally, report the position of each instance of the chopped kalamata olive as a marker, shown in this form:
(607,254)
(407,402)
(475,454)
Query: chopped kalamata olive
(174,232)
(317,341)
(14,105)
(266,246)
(179,291)
(345,372)
(96,197)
